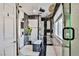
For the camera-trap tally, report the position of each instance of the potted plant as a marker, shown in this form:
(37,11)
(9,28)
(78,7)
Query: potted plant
(28,30)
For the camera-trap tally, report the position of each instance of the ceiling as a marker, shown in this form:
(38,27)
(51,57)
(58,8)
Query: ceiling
(33,8)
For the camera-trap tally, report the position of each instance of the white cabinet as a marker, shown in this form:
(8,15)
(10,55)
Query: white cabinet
(8,29)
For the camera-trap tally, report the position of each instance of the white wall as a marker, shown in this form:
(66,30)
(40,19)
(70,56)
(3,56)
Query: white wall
(41,28)
(65,42)
(75,24)
(33,23)
(20,36)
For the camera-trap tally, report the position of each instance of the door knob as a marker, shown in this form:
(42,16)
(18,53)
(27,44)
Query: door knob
(14,41)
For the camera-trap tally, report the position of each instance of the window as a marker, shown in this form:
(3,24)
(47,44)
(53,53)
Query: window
(58,21)
(59,27)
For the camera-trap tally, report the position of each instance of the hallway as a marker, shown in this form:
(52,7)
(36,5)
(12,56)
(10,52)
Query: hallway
(39,29)
(51,50)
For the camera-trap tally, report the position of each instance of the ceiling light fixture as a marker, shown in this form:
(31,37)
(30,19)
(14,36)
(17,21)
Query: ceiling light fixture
(41,10)
(20,6)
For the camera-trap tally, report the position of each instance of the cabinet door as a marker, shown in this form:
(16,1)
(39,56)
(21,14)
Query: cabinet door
(10,29)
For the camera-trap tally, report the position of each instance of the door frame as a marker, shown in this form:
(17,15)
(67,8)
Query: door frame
(17,13)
